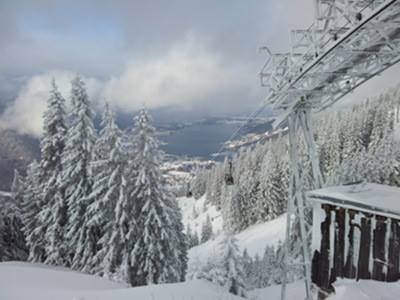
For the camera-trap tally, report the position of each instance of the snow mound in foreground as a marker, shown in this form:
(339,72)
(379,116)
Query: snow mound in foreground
(23,281)
(345,290)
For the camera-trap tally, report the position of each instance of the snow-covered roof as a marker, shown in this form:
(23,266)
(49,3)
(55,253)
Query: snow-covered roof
(5,194)
(369,197)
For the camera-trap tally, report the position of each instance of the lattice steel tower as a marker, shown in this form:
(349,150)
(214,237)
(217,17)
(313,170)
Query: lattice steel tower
(349,42)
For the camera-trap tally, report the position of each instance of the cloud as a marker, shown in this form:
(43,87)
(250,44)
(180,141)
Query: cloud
(186,75)
(25,113)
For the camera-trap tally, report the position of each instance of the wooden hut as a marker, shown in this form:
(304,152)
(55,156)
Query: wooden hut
(356,233)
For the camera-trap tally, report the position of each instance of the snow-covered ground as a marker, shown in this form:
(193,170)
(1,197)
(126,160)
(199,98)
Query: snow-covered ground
(345,290)
(24,281)
(196,221)
(254,239)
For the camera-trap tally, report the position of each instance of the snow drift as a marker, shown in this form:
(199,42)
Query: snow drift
(24,281)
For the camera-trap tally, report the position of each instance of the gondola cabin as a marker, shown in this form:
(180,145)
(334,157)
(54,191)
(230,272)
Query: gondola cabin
(356,233)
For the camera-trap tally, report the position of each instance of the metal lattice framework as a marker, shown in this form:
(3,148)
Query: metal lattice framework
(350,42)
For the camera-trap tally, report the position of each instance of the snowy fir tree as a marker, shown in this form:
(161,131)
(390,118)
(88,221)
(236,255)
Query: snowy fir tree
(225,269)
(53,139)
(206,230)
(232,266)
(108,134)
(118,238)
(192,236)
(198,184)
(160,242)
(248,268)
(31,208)
(110,209)
(12,239)
(76,177)
(210,271)
(53,214)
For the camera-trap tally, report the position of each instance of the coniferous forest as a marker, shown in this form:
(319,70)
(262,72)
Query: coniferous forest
(96,202)
(199,150)
(354,143)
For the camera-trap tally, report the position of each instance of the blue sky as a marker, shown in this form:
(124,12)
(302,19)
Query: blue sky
(194,57)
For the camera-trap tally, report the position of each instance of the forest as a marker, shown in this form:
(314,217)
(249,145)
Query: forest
(98,202)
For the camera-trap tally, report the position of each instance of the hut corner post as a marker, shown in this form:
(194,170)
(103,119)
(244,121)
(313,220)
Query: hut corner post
(297,224)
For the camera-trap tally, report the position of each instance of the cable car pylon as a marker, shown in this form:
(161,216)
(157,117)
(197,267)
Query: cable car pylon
(350,42)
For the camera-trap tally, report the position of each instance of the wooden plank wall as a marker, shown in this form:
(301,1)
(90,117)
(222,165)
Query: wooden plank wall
(364,246)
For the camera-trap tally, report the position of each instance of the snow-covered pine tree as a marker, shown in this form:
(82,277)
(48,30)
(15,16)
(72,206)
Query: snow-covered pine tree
(53,140)
(56,248)
(248,269)
(210,270)
(76,177)
(53,212)
(181,257)
(192,237)
(258,272)
(31,207)
(109,187)
(119,238)
(232,266)
(206,230)
(108,134)
(240,202)
(274,184)
(12,239)
(158,247)
(198,183)
(17,192)
(268,266)
(214,191)
(195,214)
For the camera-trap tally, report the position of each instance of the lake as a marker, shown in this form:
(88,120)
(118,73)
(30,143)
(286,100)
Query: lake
(198,140)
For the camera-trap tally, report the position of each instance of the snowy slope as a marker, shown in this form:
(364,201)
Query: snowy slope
(345,289)
(254,239)
(24,281)
(202,210)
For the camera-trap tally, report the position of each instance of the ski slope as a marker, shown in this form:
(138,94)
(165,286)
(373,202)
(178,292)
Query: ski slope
(24,281)
(202,210)
(254,239)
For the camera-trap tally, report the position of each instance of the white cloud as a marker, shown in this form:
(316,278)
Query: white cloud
(185,75)
(25,113)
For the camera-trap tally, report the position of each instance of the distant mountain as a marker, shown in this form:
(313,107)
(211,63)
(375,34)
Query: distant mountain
(16,152)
